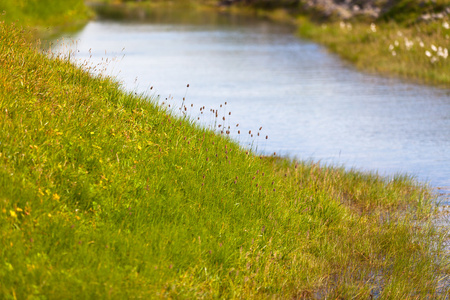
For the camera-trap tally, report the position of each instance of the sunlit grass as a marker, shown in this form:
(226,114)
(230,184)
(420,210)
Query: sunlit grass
(104,194)
(48,16)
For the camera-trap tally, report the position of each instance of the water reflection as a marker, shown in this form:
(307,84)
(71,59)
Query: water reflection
(311,104)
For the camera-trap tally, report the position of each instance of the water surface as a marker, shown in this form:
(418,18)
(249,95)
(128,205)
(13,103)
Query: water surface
(311,104)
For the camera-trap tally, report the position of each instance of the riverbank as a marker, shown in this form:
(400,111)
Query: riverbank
(396,38)
(401,39)
(418,53)
(47,17)
(106,194)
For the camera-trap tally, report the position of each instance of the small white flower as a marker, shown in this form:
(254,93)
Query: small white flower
(342,25)
(428,53)
(399,33)
(394,53)
(391,47)
(434,59)
(446,25)
(433,47)
(396,43)
(408,44)
(421,44)
(373,27)
(442,52)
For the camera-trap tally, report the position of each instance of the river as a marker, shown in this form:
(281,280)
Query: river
(310,104)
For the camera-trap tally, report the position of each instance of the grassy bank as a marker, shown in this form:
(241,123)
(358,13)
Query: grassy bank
(418,53)
(104,194)
(48,16)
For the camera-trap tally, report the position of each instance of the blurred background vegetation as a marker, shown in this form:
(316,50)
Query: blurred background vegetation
(42,13)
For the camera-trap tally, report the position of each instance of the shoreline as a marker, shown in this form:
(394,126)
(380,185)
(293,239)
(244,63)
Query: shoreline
(368,45)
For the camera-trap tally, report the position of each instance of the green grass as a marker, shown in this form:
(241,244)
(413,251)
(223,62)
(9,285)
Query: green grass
(104,194)
(48,16)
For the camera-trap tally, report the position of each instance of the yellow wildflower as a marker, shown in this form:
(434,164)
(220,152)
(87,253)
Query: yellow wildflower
(13,214)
